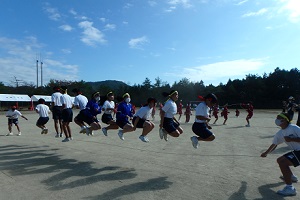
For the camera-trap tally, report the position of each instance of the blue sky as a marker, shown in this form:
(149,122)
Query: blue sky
(129,40)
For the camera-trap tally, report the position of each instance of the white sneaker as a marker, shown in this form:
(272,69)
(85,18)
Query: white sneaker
(294,178)
(19,134)
(66,140)
(165,135)
(161,133)
(287,191)
(83,129)
(144,138)
(88,131)
(9,134)
(195,142)
(104,130)
(57,135)
(120,133)
(60,135)
(45,130)
(70,138)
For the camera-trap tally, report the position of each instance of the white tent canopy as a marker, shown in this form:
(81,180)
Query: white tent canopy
(37,97)
(15,97)
(47,98)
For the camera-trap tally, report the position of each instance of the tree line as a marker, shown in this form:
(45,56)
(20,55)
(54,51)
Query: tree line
(266,91)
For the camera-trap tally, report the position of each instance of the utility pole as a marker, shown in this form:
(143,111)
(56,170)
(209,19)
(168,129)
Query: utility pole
(37,73)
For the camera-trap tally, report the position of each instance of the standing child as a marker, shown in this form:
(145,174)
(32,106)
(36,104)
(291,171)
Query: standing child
(44,111)
(188,113)
(200,126)
(237,113)
(290,134)
(225,114)
(179,109)
(249,109)
(215,113)
(67,113)
(57,111)
(13,118)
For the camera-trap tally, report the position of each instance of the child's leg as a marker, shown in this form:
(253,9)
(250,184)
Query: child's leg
(247,119)
(284,165)
(9,127)
(69,130)
(18,128)
(147,127)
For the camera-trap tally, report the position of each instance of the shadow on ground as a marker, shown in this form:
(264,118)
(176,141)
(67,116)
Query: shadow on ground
(266,191)
(70,173)
(149,185)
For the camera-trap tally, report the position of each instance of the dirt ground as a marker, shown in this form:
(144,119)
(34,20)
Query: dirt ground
(35,166)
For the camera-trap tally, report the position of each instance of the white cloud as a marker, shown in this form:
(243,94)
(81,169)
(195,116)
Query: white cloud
(73,12)
(183,3)
(66,51)
(152,3)
(220,71)
(91,36)
(20,56)
(258,13)
(241,2)
(110,27)
(66,27)
(128,5)
(293,9)
(125,22)
(53,13)
(137,43)
(102,19)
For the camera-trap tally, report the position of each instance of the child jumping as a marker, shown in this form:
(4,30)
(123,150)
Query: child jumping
(200,126)
(44,111)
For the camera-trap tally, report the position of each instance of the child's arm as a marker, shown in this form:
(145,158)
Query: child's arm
(24,117)
(289,139)
(269,150)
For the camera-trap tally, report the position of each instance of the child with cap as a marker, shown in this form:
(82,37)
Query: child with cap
(13,115)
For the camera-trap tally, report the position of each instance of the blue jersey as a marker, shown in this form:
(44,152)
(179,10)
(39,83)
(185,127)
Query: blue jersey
(124,109)
(93,107)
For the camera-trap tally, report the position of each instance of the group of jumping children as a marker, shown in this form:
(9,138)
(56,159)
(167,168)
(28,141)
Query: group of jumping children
(62,105)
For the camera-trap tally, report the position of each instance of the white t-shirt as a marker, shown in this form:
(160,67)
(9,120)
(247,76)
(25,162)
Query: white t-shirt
(55,98)
(108,104)
(80,101)
(170,108)
(202,110)
(292,131)
(43,110)
(144,112)
(13,114)
(66,100)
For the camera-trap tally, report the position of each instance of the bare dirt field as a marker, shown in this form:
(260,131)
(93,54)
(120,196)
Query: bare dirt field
(35,166)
